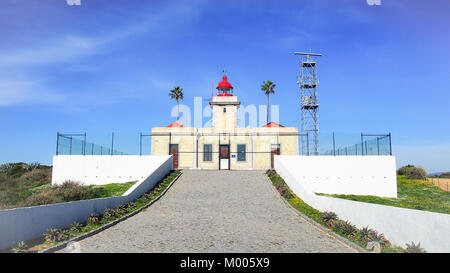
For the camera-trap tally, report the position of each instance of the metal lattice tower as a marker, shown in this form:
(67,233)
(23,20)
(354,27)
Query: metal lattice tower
(307,83)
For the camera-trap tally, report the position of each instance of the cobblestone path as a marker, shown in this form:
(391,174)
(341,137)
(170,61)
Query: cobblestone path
(216,211)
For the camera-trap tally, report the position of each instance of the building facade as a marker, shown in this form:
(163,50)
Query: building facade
(224,146)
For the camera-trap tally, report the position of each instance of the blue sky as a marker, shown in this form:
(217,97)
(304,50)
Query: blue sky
(108,66)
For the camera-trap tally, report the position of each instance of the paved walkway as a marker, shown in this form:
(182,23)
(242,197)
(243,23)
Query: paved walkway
(216,211)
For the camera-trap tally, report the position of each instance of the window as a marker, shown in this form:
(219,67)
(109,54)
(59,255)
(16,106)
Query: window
(224,109)
(207,152)
(241,154)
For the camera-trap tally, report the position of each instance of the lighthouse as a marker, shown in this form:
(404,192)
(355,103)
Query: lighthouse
(224,107)
(224,146)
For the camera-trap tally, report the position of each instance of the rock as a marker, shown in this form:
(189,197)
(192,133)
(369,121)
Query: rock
(374,246)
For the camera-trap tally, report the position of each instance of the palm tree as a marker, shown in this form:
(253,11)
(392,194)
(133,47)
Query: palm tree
(177,93)
(268,87)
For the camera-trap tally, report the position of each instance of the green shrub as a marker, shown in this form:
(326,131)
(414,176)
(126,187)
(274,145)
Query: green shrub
(93,219)
(75,228)
(365,234)
(279,184)
(445,175)
(121,209)
(33,166)
(413,172)
(73,191)
(403,170)
(42,198)
(345,227)
(66,192)
(109,213)
(17,170)
(4,168)
(416,173)
(20,247)
(56,235)
(328,216)
(413,248)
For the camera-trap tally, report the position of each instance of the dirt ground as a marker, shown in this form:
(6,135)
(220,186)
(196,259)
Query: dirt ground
(443,183)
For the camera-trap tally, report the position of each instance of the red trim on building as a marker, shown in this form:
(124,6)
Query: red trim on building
(273,124)
(175,124)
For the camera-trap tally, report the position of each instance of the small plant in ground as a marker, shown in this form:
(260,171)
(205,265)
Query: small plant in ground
(93,219)
(109,213)
(413,248)
(75,228)
(64,234)
(108,216)
(131,206)
(20,247)
(365,234)
(375,236)
(285,192)
(345,227)
(279,184)
(56,235)
(121,209)
(329,216)
(51,235)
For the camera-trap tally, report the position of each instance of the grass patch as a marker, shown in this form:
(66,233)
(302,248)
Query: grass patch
(55,236)
(412,194)
(18,181)
(331,221)
(113,189)
(24,185)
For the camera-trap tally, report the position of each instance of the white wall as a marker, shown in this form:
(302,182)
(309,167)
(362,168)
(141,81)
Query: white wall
(103,169)
(399,225)
(28,223)
(359,175)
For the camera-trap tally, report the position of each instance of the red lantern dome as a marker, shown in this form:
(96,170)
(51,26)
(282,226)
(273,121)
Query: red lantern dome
(224,88)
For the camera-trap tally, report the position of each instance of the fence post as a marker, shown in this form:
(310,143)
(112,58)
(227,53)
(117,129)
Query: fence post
(390,144)
(378,145)
(334,146)
(84,144)
(57,142)
(140,144)
(307,143)
(112,144)
(362,144)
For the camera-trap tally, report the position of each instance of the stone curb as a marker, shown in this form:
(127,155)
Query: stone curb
(317,225)
(113,223)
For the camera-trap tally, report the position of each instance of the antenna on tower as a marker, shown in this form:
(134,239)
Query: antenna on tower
(307,82)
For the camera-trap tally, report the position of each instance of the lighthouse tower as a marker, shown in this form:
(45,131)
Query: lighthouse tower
(224,107)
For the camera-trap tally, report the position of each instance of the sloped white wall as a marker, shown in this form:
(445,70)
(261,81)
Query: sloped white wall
(399,225)
(359,175)
(22,224)
(103,169)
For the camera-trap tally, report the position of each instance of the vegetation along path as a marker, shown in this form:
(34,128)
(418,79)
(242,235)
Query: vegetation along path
(216,211)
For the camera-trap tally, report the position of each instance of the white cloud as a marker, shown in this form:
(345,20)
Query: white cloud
(18,92)
(28,59)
